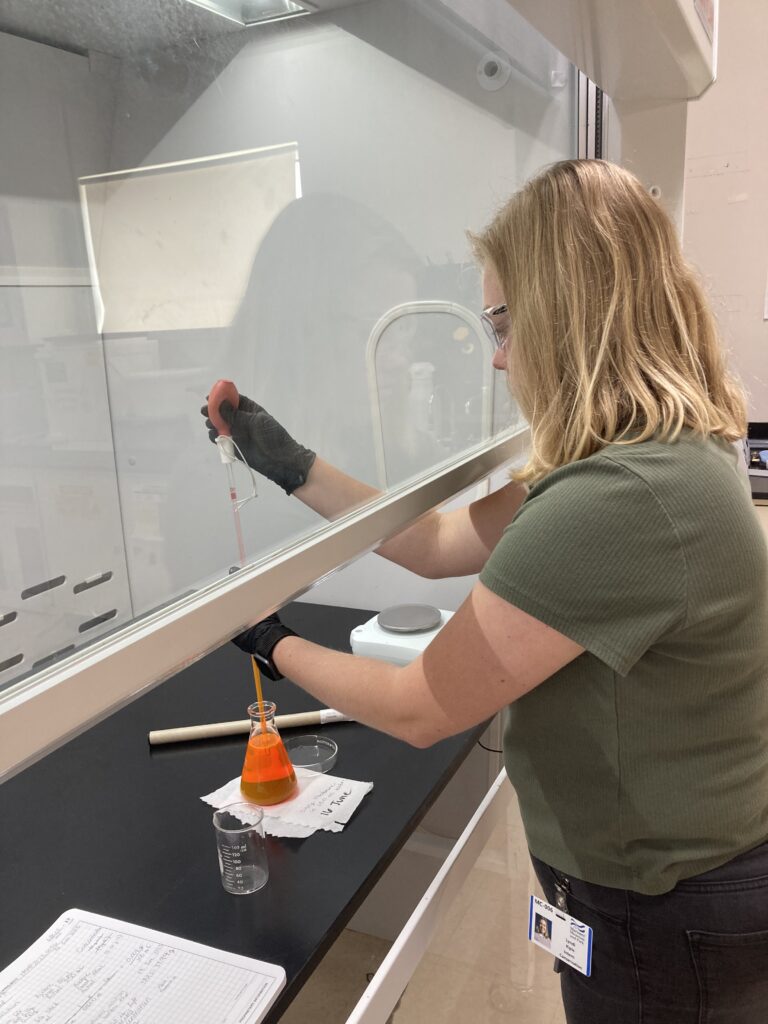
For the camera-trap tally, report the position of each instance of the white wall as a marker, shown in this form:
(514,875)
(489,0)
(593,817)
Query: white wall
(726,192)
(648,138)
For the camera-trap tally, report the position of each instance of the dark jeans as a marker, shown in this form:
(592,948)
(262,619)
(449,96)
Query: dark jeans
(695,955)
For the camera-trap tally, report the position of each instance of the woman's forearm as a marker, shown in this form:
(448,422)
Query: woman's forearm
(331,493)
(439,544)
(368,690)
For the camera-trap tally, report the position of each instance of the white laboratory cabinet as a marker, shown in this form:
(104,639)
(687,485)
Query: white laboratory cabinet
(277,194)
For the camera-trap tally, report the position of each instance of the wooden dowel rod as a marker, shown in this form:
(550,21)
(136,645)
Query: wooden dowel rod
(205,732)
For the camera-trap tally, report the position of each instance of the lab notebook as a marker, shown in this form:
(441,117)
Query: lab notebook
(89,968)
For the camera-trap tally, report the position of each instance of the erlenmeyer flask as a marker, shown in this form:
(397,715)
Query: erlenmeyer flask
(268,776)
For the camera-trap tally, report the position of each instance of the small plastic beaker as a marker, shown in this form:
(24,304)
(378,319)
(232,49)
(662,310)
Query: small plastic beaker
(240,845)
(268,776)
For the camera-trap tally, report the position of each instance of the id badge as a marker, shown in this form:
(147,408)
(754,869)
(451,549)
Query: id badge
(561,935)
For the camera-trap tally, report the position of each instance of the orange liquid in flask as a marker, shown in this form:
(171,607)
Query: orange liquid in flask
(268,776)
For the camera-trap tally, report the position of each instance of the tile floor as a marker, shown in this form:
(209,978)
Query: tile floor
(332,992)
(479,967)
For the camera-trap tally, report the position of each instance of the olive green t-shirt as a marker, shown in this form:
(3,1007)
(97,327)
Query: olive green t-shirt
(645,760)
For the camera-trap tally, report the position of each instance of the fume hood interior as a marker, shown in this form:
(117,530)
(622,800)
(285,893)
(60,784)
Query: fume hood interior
(184,199)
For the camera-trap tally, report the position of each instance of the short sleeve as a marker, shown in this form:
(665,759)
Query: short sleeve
(593,553)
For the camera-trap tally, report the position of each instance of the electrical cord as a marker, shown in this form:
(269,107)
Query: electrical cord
(491,750)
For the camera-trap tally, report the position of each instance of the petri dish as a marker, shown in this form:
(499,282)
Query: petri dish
(317,753)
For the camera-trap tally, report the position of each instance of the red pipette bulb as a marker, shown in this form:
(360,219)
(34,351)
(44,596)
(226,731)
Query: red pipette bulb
(222,390)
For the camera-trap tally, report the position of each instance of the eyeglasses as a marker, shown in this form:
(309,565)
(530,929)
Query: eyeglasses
(498,337)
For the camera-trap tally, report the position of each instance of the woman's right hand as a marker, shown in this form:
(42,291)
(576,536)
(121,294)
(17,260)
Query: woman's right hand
(264,443)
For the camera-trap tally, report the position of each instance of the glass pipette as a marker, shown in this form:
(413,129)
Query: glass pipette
(225,390)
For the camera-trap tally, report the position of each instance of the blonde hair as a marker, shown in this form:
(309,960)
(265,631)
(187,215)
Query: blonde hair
(612,338)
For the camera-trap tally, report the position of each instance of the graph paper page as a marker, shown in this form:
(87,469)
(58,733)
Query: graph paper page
(89,969)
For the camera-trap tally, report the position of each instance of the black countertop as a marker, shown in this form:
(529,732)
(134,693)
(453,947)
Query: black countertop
(110,825)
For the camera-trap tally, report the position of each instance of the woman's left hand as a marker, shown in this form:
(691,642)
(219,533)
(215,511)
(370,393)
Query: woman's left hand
(260,640)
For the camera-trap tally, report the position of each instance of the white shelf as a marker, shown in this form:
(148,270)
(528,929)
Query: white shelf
(44,277)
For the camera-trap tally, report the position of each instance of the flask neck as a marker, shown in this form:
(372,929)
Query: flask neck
(262,717)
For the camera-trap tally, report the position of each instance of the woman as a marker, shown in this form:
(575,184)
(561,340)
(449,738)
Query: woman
(620,612)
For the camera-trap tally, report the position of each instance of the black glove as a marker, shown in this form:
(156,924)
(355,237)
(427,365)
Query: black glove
(266,445)
(260,640)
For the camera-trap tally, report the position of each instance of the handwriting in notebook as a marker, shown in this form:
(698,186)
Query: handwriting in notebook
(90,968)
